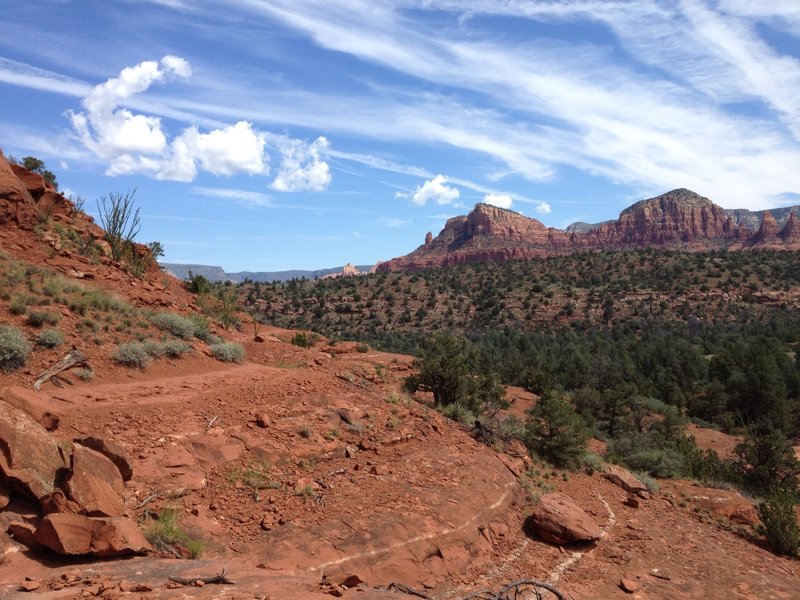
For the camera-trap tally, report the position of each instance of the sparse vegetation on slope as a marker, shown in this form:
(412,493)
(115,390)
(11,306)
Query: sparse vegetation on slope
(14,348)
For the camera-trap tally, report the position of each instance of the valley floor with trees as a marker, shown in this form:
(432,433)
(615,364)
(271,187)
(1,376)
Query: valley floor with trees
(623,346)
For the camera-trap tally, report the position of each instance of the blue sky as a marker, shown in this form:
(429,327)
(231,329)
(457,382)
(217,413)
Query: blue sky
(279,134)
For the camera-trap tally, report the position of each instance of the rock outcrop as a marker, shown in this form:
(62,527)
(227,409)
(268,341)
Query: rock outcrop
(31,403)
(30,461)
(625,479)
(16,203)
(82,507)
(73,535)
(677,219)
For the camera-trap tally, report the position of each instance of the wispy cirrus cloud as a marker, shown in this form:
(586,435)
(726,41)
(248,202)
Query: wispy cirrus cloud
(247,196)
(663,94)
(392,222)
(668,124)
(25,75)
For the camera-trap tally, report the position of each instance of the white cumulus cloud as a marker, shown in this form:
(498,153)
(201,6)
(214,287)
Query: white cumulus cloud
(136,143)
(302,167)
(543,208)
(500,200)
(436,190)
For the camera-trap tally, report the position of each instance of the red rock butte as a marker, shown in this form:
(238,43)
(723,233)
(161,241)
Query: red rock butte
(680,219)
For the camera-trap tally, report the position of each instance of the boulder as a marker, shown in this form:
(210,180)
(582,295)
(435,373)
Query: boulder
(32,403)
(23,533)
(96,484)
(76,535)
(31,461)
(112,450)
(557,519)
(629,585)
(625,479)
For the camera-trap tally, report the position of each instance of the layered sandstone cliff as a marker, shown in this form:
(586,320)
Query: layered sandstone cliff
(679,219)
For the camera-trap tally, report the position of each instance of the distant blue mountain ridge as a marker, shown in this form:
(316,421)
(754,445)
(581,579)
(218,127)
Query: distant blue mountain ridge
(214,273)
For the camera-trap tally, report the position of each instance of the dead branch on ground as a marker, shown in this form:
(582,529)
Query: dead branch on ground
(218,578)
(406,590)
(513,589)
(73,359)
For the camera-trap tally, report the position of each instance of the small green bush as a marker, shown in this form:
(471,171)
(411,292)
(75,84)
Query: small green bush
(227,352)
(165,534)
(652,484)
(177,325)
(779,521)
(37,318)
(98,300)
(458,412)
(14,348)
(50,338)
(301,340)
(133,354)
(85,374)
(592,463)
(665,463)
(17,306)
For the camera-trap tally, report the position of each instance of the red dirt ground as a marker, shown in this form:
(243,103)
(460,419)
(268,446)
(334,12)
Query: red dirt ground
(420,503)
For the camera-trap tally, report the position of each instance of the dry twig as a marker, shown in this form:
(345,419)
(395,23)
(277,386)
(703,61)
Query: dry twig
(515,587)
(218,578)
(406,590)
(73,359)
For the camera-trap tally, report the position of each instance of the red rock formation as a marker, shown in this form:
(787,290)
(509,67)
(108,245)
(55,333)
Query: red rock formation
(768,228)
(350,271)
(16,203)
(791,230)
(677,219)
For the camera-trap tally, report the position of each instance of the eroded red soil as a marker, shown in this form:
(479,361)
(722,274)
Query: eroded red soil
(346,475)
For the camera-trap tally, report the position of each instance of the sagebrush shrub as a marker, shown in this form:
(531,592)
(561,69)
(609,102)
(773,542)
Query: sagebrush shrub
(50,338)
(37,318)
(14,348)
(175,324)
(201,328)
(170,349)
(227,352)
(133,354)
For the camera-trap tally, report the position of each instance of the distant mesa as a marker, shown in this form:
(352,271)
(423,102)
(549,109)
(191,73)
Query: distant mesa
(680,219)
(216,274)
